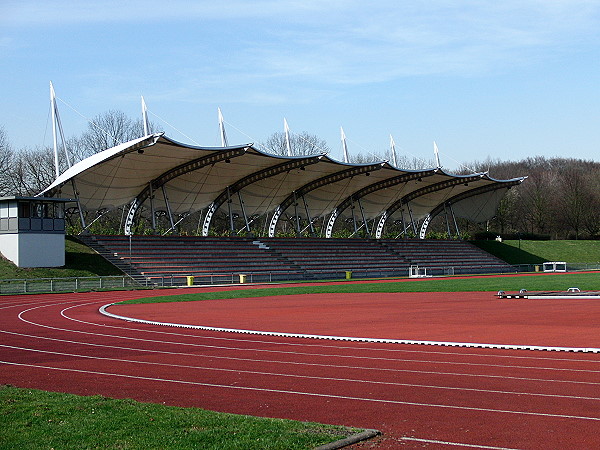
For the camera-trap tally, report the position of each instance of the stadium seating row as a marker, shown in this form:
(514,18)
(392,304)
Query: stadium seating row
(156,257)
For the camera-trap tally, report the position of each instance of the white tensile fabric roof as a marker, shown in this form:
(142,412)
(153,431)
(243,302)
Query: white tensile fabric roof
(194,178)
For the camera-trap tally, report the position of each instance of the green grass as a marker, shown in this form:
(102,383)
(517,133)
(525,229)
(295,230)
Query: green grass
(80,261)
(538,252)
(32,419)
(542,282)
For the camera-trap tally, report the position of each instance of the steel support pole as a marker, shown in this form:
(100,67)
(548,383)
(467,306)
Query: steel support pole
(231,226)
(164,191)
(412,220)
(244,211)
(310,222)
(152,212)
(298,231)
(362,213)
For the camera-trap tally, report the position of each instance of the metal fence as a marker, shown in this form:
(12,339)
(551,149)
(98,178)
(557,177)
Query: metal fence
(40,285)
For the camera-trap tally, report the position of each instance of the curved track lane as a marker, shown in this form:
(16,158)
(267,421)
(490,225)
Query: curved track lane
(417,395)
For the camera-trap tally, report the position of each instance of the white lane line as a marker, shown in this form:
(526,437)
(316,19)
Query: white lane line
(295,363)
(311,377)
(454,444)
(354,339)
(326,355)
(332,346)
(309,394)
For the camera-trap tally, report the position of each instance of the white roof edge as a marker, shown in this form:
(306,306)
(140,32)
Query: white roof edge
(98,158)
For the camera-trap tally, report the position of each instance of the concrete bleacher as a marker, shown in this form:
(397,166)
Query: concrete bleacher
(169,260)
(446,257)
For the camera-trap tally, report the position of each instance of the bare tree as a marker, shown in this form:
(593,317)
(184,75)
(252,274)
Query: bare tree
(108,130)
(6,162)
(32,171)
(300,144)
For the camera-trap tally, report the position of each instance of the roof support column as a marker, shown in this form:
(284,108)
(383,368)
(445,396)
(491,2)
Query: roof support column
(362,213)
(353,217)
(164,191)
(231,226)
(298,231)
(310,222)
(152,211)
(454,219)
(83,225)
(412,220)
(247,226)
(447,221)
(424,226)
(380,225)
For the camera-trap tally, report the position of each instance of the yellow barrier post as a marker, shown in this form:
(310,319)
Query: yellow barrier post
(348,274)
(190,281)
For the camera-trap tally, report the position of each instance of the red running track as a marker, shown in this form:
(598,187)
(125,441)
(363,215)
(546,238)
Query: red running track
(417,395)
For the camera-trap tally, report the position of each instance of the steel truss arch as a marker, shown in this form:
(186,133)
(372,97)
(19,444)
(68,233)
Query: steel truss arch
(190,166)
(253,178)
(320,182)
(418,193)
(462,196)
(383,184)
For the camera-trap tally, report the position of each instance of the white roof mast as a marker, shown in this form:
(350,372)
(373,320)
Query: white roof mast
(344,146)
(222,129)
(286,128)
(57,126)
(145,118)
(393,151)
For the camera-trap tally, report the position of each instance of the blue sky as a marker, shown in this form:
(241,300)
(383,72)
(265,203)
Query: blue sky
(500,79)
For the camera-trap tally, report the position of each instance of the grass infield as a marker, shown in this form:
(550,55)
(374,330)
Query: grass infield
(32,419)
(541,282)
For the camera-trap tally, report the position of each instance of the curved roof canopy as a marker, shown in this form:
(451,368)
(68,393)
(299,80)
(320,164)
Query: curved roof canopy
(188,178)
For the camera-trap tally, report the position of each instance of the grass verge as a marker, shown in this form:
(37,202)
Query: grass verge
(538,252)
(33,419)
(542,282)
(80,261)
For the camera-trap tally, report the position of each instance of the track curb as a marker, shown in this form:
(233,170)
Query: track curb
(354,439)
(103,311)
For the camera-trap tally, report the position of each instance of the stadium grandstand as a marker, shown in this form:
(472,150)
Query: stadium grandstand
(311,194)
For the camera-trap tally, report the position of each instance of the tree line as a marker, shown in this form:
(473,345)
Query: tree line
(560,199)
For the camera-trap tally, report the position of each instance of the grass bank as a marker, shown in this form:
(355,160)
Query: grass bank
(538,252)
(541,282)
(80,261)
(32,419)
